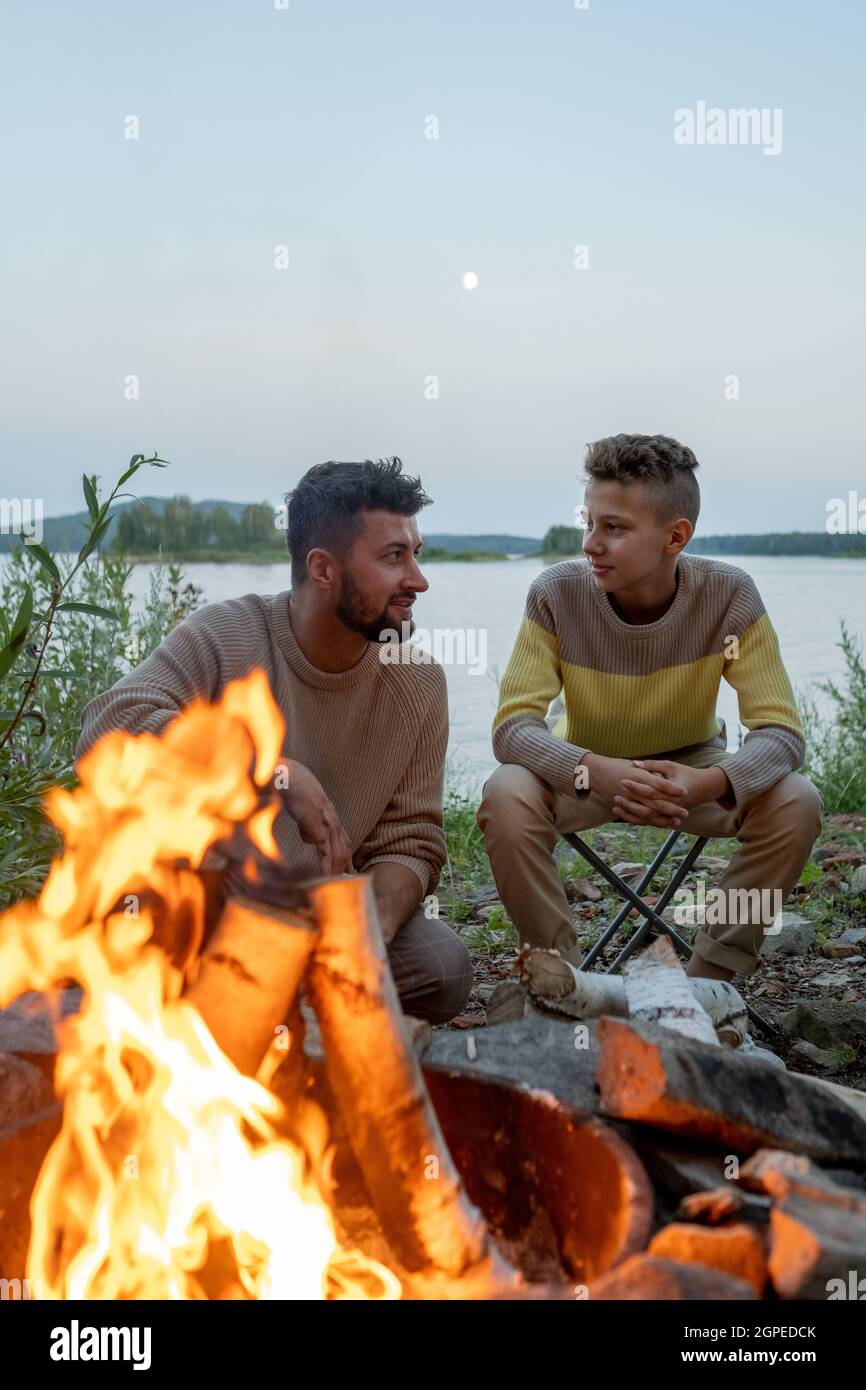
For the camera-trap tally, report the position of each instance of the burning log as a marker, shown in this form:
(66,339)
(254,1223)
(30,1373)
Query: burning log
(649,1075)
(432,1226)
(644,1277)
(737,1250)
(816,1250)
(249,975)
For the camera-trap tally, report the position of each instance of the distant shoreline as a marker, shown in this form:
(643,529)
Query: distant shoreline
(260,557)
(437,556)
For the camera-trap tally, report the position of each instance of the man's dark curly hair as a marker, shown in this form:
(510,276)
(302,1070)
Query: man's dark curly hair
(665,467)
(325,509)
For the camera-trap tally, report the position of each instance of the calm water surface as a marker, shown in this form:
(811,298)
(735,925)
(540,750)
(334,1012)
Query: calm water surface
(806,598)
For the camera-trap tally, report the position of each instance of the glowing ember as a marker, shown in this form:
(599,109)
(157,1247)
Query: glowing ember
(168,1178)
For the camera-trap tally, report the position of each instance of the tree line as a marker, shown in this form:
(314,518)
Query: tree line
(180,528)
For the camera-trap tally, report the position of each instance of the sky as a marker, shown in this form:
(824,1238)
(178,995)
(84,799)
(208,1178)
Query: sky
(719,298)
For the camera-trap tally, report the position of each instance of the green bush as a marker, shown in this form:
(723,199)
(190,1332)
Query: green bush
(836,745)
(73,634)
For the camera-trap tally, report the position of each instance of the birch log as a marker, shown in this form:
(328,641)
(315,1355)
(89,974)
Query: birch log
(657,991)
(433,1228)
(249,974)
(555,984)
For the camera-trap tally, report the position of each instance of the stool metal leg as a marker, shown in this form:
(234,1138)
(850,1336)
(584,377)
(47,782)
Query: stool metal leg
(633,900)
(644,927)
(650,914)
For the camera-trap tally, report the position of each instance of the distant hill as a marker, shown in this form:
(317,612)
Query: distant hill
(66,533)
(509,545)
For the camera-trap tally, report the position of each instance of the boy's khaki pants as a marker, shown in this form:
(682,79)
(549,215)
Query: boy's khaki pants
(522,818)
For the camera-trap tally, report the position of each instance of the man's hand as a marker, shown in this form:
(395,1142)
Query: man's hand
(645,789)
(398,894)
(307,804)
(609,778)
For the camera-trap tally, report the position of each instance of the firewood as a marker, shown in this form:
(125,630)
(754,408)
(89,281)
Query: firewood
(737,1249)
(248,976)
(657,991)
(648,1075)
(560,988)
(645,1276)
(416,1190)
(780,1174)
(816,1250)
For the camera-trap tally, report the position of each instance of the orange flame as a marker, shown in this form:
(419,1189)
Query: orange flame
(168,1178)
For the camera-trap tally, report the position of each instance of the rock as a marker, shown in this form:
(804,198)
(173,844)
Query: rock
(630,872)
(474,898)
(581,890)
(715,863)
(650,899)
(28,1026)
(736,1250)
(829,851)
(24,1090)
(483,914)
(851,942)
(858,881)
(507,1003)
(826,1023)
(22,1151)
(835,979)
(795,937)
(650,1076)
(811,1244)
(817,1056)
(652,1277)
(836,856)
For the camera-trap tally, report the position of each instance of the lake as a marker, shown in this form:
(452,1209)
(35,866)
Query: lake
(806,598)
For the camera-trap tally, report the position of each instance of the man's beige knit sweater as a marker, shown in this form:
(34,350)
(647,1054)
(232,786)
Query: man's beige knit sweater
(375,736)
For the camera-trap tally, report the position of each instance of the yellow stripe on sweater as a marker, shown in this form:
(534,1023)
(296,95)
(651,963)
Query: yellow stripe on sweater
(621,716)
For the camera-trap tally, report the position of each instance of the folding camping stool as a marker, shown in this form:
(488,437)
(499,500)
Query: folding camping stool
(652,919)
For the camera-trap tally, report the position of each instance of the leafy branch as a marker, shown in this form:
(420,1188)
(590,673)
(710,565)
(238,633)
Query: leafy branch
(31,635)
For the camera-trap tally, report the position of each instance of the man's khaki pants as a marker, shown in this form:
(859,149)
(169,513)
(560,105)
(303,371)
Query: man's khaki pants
(522,818)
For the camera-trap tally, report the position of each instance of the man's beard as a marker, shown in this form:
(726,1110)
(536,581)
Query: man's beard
(352,610)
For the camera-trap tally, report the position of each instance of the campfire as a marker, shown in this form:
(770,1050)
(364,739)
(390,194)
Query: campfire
(205,1151)
(177,1173)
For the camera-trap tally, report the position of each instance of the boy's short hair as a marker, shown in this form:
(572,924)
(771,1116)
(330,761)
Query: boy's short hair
(324,510)
(665,467)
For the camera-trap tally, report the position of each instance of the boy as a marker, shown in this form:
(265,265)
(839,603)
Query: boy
(637,638)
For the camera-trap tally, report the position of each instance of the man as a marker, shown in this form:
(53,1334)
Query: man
(366,738)
(637,638)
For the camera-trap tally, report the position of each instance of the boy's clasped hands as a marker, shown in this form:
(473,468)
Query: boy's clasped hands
(653,791)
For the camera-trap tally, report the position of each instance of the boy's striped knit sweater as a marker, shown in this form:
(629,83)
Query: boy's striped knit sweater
(641,690)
